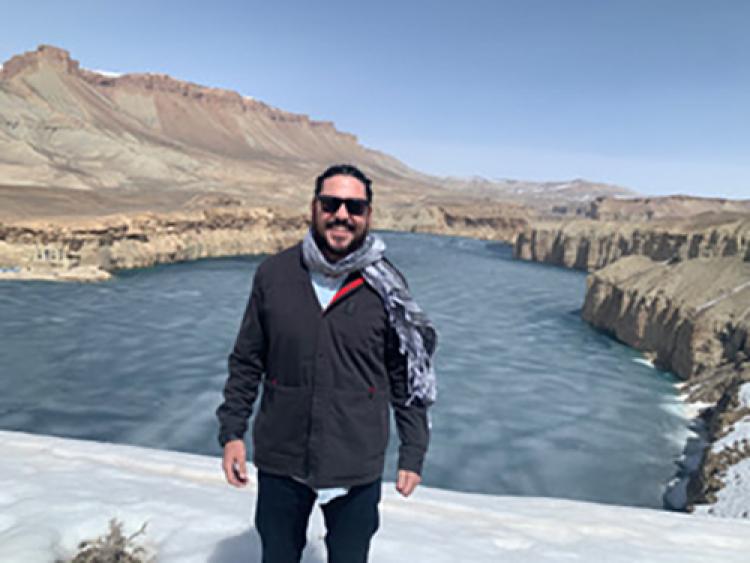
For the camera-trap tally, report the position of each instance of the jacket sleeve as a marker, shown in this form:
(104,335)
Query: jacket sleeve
(246,367)
(411,421)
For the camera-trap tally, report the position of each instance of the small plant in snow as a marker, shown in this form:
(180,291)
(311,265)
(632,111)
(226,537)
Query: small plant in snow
(112,548)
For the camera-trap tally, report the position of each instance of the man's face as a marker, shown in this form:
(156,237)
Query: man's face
(338,233)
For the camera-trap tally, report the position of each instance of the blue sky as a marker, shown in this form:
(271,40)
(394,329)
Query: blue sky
(650,94)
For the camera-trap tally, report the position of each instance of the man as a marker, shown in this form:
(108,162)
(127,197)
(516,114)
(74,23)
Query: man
(334,336)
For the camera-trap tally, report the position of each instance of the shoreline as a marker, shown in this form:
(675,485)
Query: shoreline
(78,274)
(681,296)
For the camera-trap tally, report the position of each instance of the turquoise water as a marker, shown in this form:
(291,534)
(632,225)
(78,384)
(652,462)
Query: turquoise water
(532,400)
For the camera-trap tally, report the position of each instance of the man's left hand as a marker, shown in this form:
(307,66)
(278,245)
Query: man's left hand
(407,481)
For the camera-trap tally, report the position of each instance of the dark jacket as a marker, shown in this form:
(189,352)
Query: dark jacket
(328,377)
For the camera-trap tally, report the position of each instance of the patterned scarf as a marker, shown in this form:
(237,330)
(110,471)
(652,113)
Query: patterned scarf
(417,336)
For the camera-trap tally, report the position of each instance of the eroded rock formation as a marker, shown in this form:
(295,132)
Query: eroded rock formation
(692,317)
(587,244)
(671,277)
(90,249)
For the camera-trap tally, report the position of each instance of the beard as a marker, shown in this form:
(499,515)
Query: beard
(327,249)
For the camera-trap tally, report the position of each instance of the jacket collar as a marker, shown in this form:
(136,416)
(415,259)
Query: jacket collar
(353,282)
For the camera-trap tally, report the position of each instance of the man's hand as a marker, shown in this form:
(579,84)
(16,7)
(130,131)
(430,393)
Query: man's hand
(407,481)
(234,464)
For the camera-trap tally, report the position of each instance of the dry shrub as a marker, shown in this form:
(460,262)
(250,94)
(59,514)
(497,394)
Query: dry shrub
(112,548)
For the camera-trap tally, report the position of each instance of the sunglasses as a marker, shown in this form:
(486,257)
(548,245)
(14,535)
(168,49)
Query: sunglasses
(354,206)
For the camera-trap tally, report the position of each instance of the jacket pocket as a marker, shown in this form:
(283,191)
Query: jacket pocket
(281,425)
(357,431)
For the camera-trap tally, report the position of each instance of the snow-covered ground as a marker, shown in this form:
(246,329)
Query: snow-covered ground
(57,492)
(733,500)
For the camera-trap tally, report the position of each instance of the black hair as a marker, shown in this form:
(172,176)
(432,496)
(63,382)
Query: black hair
(344,170)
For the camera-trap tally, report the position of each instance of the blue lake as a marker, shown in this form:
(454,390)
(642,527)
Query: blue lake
(532,400)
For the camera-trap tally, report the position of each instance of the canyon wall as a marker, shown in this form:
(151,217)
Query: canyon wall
(691,317)
(590,244)
(679,290)
(90,249)
(671,277)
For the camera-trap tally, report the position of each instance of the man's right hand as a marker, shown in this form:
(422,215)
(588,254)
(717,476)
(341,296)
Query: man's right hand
(234,464)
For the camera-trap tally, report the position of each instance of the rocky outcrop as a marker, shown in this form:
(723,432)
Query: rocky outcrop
(712,487)
(692,318)
(589,245)
(90,249)
(671,277)
(32,59)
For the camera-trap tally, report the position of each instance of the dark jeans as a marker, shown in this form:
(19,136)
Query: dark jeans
(283,508)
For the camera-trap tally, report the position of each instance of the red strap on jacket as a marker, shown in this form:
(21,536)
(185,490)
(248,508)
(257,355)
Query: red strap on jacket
(352,285)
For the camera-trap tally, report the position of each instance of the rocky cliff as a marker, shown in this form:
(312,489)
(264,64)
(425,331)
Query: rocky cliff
(718,485)
(91,248)
(692,318)
(671,277)
(588,244)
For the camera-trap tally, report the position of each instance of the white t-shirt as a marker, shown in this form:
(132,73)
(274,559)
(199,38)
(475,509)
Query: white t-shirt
(326,286)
